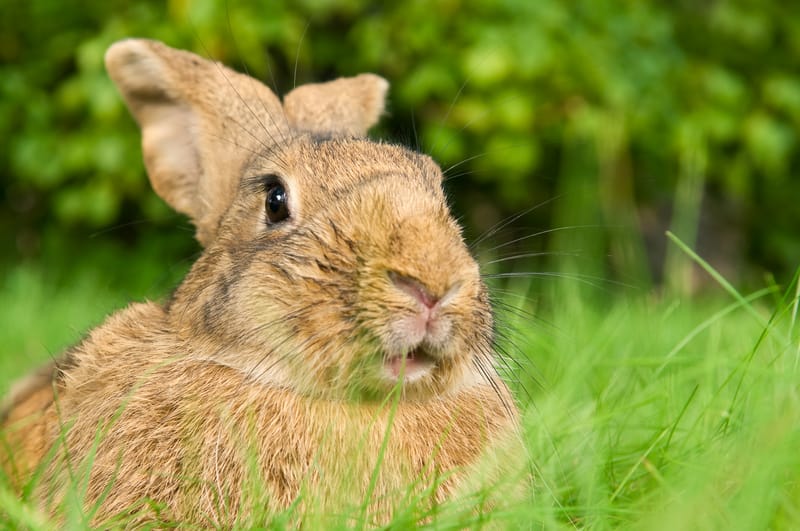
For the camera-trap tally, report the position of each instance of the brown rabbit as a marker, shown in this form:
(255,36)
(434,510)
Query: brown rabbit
(333,343)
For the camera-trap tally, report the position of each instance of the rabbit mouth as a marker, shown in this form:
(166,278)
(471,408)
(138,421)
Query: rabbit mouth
(411,365)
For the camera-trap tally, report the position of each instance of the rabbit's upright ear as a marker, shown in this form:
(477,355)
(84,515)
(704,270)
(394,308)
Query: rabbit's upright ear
(200,122)
(344,107)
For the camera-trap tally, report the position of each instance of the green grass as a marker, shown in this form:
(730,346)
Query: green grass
(640,412)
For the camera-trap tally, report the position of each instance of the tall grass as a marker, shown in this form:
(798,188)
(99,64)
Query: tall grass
(638,411)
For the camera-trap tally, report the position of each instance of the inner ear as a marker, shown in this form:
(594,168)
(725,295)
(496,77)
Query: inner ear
(343,107)
(201,122)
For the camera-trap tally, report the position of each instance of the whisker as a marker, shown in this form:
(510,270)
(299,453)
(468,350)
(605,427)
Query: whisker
(502,307)
(591,280)
(476,117)
(506,360)
(297,55)
(491,231)
(540,322)
(247,71)
(221,70)
(447,170)
(232,36)
(547,231)
(448,178)
(414,130)
(532,255)
(520,359)
(487,374)
(450,110)
(270,150)
(505,335)
(278,127)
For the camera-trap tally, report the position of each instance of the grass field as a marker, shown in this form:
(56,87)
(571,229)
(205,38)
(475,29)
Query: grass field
(640,412)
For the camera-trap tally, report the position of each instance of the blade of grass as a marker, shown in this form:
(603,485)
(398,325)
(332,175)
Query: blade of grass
(373,480)
(795,305)
(679,417)
(707,323)
(636,465)
(722,281)
(21,513)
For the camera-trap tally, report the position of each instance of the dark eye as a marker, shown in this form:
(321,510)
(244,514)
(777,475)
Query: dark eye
(277,202)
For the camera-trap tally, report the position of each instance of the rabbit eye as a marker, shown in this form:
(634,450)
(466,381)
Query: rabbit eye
(276,203)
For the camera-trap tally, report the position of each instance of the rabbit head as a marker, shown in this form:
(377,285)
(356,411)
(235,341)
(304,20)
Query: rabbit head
(331,264)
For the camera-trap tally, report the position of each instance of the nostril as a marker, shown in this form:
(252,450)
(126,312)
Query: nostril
(415,288)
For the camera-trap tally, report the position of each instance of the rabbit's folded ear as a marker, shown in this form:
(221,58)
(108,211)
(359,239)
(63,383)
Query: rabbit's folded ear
(200,122)
(343,107)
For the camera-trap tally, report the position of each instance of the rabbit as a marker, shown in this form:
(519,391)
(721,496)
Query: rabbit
(332,341)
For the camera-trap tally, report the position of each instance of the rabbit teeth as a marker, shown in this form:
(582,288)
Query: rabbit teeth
(411,365)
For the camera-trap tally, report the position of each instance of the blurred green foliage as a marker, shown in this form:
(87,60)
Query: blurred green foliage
(635,116)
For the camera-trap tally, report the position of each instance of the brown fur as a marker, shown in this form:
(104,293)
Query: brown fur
(271,350)
(30,422)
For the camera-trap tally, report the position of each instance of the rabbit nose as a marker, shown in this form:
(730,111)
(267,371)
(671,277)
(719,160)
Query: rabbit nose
(415,288)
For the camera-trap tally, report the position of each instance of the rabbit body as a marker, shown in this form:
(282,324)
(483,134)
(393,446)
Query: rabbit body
(334,326)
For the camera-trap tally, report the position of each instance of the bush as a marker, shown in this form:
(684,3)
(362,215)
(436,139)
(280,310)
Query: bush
(635,116)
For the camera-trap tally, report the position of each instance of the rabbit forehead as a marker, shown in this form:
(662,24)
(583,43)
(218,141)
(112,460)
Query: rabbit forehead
(339,164)
(367,176)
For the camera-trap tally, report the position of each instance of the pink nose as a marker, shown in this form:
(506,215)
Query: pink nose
(415,288)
